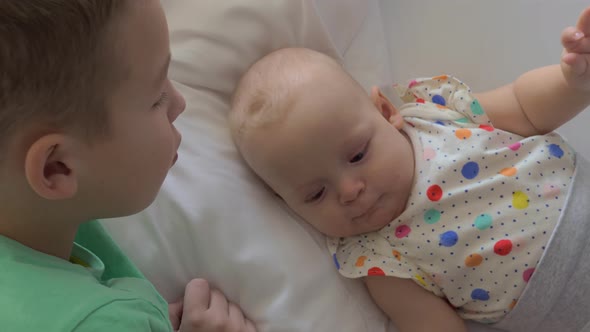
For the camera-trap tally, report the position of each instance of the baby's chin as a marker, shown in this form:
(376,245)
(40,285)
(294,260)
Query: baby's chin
(380,219)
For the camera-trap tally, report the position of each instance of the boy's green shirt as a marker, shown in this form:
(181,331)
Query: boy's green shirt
(99,289)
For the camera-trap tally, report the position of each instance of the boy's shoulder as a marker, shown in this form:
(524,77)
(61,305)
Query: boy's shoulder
(45,293)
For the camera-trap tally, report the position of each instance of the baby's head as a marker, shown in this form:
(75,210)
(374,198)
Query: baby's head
(86,108)
(333,153)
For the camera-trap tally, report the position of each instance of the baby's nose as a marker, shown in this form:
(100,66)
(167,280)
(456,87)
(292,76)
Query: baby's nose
(350,190)
(179,105)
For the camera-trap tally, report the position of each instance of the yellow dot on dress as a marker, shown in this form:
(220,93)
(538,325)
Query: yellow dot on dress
(420,280)
(520,200)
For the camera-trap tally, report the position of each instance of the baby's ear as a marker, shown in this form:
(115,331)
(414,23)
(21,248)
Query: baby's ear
(49,167)
(386,108)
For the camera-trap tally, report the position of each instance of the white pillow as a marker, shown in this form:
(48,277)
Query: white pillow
(213,219)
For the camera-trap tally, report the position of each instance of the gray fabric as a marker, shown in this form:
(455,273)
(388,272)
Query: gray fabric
(557,298)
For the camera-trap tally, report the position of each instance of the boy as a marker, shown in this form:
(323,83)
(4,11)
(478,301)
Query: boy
(452,199)
(86,113)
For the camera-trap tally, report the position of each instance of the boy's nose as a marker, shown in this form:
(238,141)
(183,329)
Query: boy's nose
(350,190)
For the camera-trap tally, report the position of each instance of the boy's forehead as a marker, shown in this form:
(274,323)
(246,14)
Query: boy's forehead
(143,37)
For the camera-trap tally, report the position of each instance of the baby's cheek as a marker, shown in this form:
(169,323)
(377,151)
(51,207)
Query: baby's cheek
(327,223)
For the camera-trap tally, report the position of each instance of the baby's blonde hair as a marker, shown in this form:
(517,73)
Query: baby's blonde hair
(266,92)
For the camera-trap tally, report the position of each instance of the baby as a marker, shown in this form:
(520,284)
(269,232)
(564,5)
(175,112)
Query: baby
(454,198)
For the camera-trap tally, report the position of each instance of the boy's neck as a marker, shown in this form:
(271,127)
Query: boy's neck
(55,239)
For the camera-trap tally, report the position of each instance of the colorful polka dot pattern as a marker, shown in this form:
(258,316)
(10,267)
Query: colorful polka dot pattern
(482,210)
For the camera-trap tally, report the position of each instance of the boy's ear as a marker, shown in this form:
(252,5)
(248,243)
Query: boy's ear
(386,108)
(49,167)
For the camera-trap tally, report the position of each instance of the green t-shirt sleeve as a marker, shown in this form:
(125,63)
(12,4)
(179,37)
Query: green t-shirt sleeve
(126,316)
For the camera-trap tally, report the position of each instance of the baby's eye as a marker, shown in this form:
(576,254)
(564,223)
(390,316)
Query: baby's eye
(161,101)
(358,157)
(361,155)
(315,196)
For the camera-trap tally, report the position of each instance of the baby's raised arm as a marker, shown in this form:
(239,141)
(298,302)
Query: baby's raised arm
(411,307)
(543,99)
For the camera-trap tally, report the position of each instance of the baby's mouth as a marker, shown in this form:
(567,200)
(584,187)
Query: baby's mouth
(366,213)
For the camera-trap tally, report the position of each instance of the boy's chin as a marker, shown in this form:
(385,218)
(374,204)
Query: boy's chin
(125,209)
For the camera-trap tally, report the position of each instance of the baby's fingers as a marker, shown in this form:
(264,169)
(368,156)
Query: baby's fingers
(584,21)
(576,64)
(575,41)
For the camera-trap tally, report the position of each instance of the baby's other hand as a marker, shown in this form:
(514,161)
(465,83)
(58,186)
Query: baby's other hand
(575,59)
(208,310)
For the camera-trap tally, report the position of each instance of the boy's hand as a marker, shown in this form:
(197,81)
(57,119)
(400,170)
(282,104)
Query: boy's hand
(575,59)
(207,310)
(175,314)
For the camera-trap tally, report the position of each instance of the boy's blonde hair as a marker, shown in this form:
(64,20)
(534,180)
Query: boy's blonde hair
(57,67)
(267,91)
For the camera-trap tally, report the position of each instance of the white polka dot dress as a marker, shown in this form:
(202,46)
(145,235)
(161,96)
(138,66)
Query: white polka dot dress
(482,209)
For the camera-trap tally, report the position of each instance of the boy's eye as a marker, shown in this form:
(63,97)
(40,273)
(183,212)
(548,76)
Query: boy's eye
(161,101)
(315,196)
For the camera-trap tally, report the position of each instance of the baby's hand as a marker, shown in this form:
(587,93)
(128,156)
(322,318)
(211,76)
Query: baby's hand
(207,310)
(575,59)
